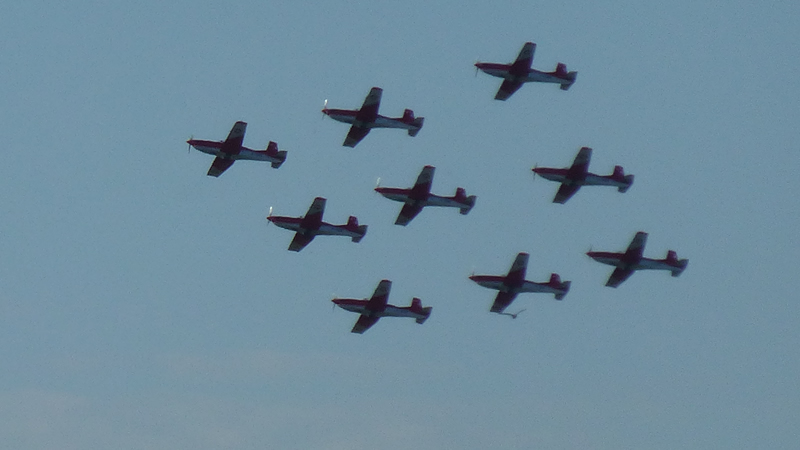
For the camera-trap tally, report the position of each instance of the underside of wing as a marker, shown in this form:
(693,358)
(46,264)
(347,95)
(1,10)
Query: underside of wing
(219,165)
(636,247)
(364,323)
(618,276)
(313,217)
(355,135)
(524,58)
(380,297)
(507,89)
(565,192)
(299,242)
(582,159)
(502,301)
(407,214)
(233,143)
(369,110)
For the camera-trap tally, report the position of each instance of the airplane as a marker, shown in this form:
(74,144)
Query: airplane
(420,196)
(231,149)
(631,260)
(514,283)
(367,118)
(577,175)
(376,307)
(311,225)
(519,72)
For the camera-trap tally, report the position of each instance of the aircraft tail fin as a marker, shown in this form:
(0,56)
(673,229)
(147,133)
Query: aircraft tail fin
(468,202)
(561,72)
(279,156)
(416,307)
(679,265)
(352,225)
(620,177)
(564,289)
(555,280)
(416,125)
(408,116)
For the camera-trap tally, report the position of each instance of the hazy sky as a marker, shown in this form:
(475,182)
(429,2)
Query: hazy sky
(145,305)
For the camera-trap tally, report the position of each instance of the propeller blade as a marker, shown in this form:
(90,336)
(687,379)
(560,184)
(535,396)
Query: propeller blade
(324,107)
(191,138)
(378,182)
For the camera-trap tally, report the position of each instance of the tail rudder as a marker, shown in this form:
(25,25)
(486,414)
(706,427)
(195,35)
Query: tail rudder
(679,265)
(360,230)
(468,202)
(555,280)
(279,156)
(561,71)
(408,116)
(628,182)
(564,289)
(416,125)
(416,308)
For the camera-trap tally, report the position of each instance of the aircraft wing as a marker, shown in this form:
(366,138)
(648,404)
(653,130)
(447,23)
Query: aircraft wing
(313,218)
(219,165)
(422,187)
(618,276)
(502,301)
(582,159)
(408,213)
(355,135)
(369,110)
(363,323)
(565,192)
(233,143)
(518,268)
(300,241)
(506,89)
(636,247)
(380,297)
(525,58)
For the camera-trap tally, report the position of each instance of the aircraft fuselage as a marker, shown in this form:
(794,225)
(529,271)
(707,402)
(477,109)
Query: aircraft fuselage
(350,116)
(530,75)
(586,179)
(325,229)
(360,307)
(502,284)
(215,148)
(619,260)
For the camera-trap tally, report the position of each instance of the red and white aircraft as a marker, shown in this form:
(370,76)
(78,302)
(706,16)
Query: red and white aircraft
(632,260)
(311,225)
(367,118)
(577,175)
(420,196)
(231,149)
(519,72)
(376,307)
(514,283)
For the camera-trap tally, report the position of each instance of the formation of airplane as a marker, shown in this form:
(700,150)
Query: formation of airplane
(632,260)
(420,196)
(377,306)
(311,225)
(231,149)
(519,72)
(515,283)
(367,118)
(577,175)
(414,199)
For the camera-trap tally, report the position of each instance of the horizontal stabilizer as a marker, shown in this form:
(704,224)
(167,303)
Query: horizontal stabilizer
(416,125)
(628,182)
(279,156)
(564,289)
(570,80)
(470,203)
(361,230)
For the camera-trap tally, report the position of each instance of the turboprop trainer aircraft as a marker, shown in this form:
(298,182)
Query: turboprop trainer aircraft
(572,178)
(311,225)
(514,283)
(420,196)
(367,118)
(519,72)
(632,260)
(376,307)
(231,149)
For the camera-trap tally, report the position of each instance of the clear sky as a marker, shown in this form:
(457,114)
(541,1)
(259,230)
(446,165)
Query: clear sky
(144,305)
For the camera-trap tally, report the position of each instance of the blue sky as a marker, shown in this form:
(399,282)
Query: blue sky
(146,305)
